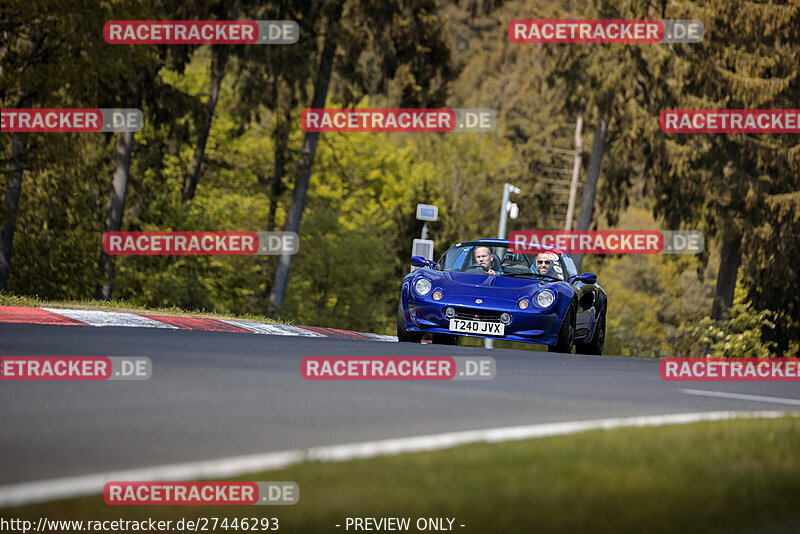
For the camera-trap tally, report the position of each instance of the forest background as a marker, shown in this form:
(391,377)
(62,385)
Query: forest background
(222,149)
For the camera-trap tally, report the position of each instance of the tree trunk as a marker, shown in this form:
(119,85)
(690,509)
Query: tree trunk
(116,203)
(592,175)
(728,271)
(10,205)
(280,136)
(293,218)
(217,73)
(283,128)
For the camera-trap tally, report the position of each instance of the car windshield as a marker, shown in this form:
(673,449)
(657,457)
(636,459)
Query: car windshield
(481,258)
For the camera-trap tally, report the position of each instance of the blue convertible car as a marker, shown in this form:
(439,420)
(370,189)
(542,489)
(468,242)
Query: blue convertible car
(483,289)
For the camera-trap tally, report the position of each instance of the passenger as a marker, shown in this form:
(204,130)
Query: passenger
(546,263)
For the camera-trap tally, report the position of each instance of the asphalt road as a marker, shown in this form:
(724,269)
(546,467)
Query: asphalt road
(215,394)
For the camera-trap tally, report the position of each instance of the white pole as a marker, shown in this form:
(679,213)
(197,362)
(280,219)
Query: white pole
(501,229)
(576,171)
(501,232)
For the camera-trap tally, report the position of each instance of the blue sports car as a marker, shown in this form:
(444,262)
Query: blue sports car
(483,289)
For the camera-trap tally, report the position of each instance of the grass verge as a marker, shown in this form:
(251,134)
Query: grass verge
(737,476)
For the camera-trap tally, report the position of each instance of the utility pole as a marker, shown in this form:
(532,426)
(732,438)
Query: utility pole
(506,208)
(576,171)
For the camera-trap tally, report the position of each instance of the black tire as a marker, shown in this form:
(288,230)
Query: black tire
(444,339)
(595,346)
(404,335)
(566,335)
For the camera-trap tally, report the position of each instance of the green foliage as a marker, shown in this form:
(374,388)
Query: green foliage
(57,246)
(771,268)
(650,297)
(339,281)
(359,221)
(740,336)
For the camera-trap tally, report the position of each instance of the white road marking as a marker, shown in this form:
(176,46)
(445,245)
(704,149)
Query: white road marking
(107,318)
(76,486)
(741,396)
(272,328)
(104,318)
(379,337)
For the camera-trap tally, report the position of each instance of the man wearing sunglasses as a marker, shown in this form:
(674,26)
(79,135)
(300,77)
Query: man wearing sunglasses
(545,264)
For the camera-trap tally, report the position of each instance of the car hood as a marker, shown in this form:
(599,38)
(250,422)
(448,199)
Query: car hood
(481,284)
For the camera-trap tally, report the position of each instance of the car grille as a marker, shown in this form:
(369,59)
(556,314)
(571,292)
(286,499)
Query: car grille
(471,314)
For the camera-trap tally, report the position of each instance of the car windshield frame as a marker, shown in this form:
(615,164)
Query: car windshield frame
(460,258)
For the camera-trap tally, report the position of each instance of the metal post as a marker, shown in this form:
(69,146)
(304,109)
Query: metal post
(576,171)
(501,230)
(501,233)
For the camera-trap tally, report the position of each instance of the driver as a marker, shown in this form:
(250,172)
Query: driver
(484,259)
(546,264)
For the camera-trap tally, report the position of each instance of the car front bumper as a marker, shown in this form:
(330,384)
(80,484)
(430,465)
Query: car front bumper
(531,325)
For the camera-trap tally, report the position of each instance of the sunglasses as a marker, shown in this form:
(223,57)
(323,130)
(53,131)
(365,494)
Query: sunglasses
(545,262)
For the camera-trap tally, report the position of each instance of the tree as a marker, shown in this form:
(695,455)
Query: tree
(293,218)
(116,201)
(748,60)
(49,51)
(218,61)
(10,203)
(398,34)
(772,268)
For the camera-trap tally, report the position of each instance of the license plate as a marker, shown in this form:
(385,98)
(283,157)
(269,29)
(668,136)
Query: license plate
(477,327)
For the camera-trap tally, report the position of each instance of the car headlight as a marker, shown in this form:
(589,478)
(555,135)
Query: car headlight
(437,295)
(545,299)
(449,312)
(522,304)
(422,286)
(505,318)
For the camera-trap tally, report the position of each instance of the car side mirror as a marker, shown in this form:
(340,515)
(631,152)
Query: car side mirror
(589,278)
(419,261)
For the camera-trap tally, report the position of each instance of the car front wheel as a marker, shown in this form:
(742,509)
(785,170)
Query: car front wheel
(404,335)
(595,346)
(566,335)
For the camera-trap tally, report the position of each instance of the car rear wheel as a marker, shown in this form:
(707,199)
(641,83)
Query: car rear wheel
(404,335)
(595,346)
(444,339)
(566,335)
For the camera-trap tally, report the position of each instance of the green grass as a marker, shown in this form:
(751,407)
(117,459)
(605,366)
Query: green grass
(124,306)
(738,476)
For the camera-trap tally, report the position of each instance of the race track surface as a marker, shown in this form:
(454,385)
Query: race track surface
(220,394)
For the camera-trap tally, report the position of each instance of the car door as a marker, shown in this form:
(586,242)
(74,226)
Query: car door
(587,299)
